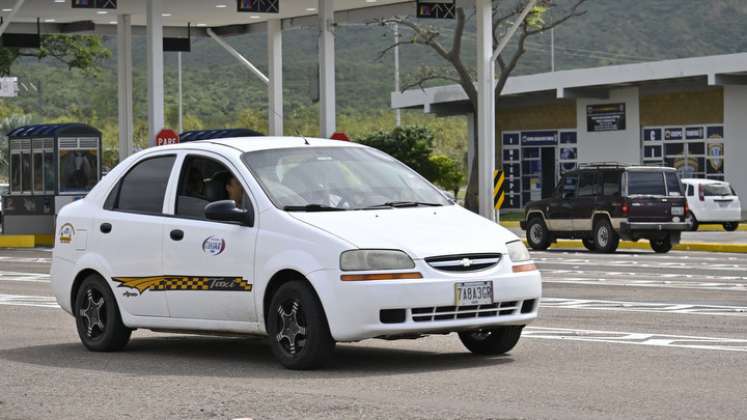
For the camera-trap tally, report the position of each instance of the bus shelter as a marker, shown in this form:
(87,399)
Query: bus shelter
(50,165)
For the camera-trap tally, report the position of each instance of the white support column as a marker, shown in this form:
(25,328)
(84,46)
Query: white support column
(154,55)
(180,96)
(397,112)
(275,70)
(327,68)
(485,107)
(124,76)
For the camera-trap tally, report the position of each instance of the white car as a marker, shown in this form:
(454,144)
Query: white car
(712,202)
(308,241)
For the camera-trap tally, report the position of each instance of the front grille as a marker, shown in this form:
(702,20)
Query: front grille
(464,262)
(447,313)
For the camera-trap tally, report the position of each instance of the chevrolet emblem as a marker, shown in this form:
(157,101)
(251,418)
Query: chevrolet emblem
(466,262)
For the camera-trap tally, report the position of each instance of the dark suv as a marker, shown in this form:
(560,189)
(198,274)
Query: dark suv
(605,202)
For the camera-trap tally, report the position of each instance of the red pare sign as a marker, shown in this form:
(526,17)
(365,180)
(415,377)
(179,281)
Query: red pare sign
(167,136)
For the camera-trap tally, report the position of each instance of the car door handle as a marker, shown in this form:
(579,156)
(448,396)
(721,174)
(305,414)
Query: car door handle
(177,234)
(105,227)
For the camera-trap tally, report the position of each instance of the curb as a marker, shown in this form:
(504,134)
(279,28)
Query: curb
(513,224)
(25,241)
(643,244)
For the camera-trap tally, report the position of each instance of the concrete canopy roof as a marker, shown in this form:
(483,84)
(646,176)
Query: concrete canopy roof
(591,82)
(58,15)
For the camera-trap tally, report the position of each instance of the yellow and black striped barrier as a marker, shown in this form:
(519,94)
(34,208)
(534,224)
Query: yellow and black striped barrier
(499,195)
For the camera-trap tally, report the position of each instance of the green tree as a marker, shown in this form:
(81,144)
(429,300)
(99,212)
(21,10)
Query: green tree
(85,52)
(447,173)
(412,145)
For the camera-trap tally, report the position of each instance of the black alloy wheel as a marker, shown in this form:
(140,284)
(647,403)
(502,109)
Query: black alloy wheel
(731,226)
(97,316)
(493,341)
(298,329)
(661,246)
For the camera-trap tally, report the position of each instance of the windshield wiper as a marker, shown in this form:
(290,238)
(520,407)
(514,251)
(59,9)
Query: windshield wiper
(312,207)
(404,204)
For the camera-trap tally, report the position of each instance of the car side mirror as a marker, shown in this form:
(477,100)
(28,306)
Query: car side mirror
(226,211)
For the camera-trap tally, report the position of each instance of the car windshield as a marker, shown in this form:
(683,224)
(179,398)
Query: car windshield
(716,190)
(338,178)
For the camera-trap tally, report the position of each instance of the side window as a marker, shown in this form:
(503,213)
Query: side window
(586,184)
(143,188)
(568,187)
(690,190)
(674,187)
(611,183)
(202,181)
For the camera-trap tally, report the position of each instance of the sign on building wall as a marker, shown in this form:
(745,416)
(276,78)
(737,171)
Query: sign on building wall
(94,4)
(436,9)
(605,117)
(8,87)
(258,6)
(696,151)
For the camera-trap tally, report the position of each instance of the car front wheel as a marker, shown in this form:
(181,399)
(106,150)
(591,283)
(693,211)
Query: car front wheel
(606,239)
(97,316)
(298,330)
(731,226)
(538,237)
(492,342)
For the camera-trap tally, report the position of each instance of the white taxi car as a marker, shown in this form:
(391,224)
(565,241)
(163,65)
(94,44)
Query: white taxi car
(308,241)
(712,202)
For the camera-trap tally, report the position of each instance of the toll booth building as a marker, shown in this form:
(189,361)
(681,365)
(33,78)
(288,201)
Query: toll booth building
(690,114)
(50,166)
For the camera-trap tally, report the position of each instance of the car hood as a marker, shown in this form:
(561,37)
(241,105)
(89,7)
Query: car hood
(419,231)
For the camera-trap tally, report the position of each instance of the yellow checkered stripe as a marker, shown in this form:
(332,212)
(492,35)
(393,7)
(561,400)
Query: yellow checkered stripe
(193,283)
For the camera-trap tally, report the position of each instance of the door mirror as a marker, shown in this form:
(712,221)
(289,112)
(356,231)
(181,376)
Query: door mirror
(226,211)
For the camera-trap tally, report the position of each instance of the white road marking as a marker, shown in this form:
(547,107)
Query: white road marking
(24,277)
(643,339)
(672,308)
(36,301)
(578,262)
(739,287)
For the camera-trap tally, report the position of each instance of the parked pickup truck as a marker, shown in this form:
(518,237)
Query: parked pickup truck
(604,202)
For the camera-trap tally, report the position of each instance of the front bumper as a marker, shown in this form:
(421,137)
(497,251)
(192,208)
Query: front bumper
(354,309)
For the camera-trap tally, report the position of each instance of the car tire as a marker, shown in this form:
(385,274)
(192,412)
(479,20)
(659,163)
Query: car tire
(588,243)
(661,246)
(605,239)
(731,226)
(492,342)
(298,329)
(538,236)
(692,222)
(97,316)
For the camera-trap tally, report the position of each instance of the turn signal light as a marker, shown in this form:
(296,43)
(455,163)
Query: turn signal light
(523,268)
(380,276)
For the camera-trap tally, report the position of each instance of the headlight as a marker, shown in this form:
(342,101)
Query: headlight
(517,252)
(375,259)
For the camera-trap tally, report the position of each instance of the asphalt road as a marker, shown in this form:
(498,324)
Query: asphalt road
(628,335)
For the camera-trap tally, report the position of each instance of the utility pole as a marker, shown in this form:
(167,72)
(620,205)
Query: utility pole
(179,76)
(552,49)
(397,112)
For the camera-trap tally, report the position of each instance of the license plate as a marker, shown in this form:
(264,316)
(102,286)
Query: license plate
(678,211)
(474,293)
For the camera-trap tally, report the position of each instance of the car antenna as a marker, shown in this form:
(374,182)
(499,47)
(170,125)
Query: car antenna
(298,132)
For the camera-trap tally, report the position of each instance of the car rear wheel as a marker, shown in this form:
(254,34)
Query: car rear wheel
(588,243)
(538,237)
(299,334)
(97,316)
(492,342)
(731,226)
(605,239)
(692,222)
(661,246)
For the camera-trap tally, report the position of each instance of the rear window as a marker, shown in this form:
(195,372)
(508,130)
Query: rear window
(710,190)
(646,183)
